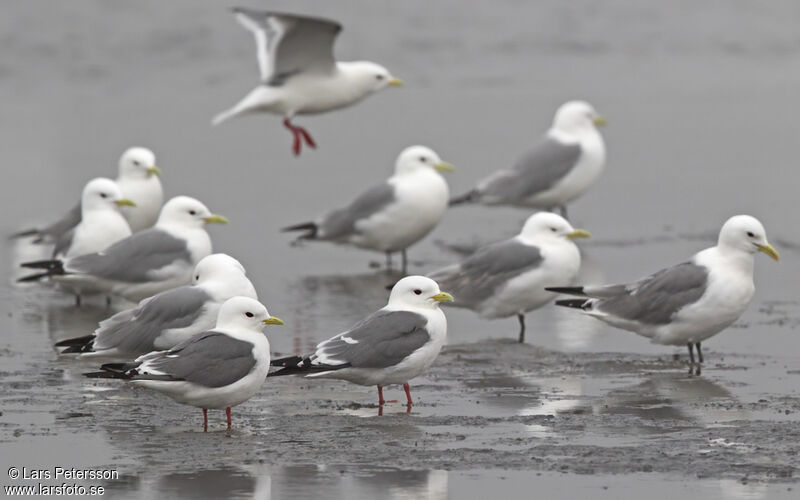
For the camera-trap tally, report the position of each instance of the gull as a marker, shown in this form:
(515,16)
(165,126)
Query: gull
(298,72)
(687,303)
(560,167)
(168,318)
(138,179)
(220,368)
(391,346)
(509,277)
(145,263)
(393,215)
(101,224)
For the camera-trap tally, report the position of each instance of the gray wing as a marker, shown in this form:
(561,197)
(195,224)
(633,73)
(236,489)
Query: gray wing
(383,339)
(134,258)
(64,224)
(488,269)
(656,299)
(211,359)
(134,331)
(63,242)
(537,171)
(341,223)
(287,44)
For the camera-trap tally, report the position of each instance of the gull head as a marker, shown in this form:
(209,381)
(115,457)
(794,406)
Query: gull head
(187,212)
(542,225)
(217,266)
(577,116)
(244,313)
(370,77)
(418,291)
(103,194)
(746,234)
(414,158)
(138,163)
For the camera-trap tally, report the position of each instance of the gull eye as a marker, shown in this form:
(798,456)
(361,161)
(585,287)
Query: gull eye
(248,314)
(553,229)
(136,163)
(750,234)
(103,195)
(197,277)
(423,159)
(192,212)
(379,77)
(418,292)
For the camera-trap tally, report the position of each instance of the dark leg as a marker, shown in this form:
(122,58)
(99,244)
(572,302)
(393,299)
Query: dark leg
(388,260)
(228,414)
(108,300)
(407,388)
(691,354)
(77,300)
(404,258)
(521,318)
(699,352)
(205,420)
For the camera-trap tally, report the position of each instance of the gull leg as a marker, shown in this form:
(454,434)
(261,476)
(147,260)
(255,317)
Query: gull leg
(404,260)
(77,300)
(108,300)
(205,420)
(388,260)
(699,352)
(228,414)
(691,357)
(297,144)
(521,318)
(307,137)
(382,401)
(407,388)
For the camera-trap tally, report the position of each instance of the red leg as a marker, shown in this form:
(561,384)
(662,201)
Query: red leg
(296,133)
(307,137)
(381,401)
(228,414)
(407,388)
(205,420)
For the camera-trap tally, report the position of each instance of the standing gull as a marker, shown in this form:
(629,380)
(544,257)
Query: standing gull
(509,277)
(137,179)
(216,369)
(560,168)
(687,303)
(391,346)
(299,75)
(168,318)
(145,263)
(101,223)
(393,215)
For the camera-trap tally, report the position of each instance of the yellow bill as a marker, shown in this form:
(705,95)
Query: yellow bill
(443,166)
(154,170)
(579,233)
(272,320)
(125,202)
(769,250)
(216,219)
(396,82)
(443,297)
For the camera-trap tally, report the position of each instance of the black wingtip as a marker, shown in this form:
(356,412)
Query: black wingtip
(33,277)
(569,290)
(573,303)
(24,234)
(470,197)
(51,264)
(287,361)
(77,345)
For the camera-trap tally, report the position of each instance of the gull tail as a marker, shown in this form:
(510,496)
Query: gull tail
(471,197)
(225,116)
(122,371)
(311,229)
(568,290)
(77,344)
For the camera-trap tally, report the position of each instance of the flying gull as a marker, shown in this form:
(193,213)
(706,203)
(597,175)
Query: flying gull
(560,168)
(509,277)
(168,318)
(393,215)
(138,178)
(687,303)
(220,368)
(145,263)
(391,346)
(299,75)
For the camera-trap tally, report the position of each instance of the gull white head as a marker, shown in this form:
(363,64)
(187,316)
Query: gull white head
(746,234)
(187,212)
(543,225)
(138,163)
(577,116)
(217,266)
(244,313)
(418,291)
(103,194)
(415,158)
(369,77)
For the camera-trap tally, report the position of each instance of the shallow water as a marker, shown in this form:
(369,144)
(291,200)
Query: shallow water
(702,111)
